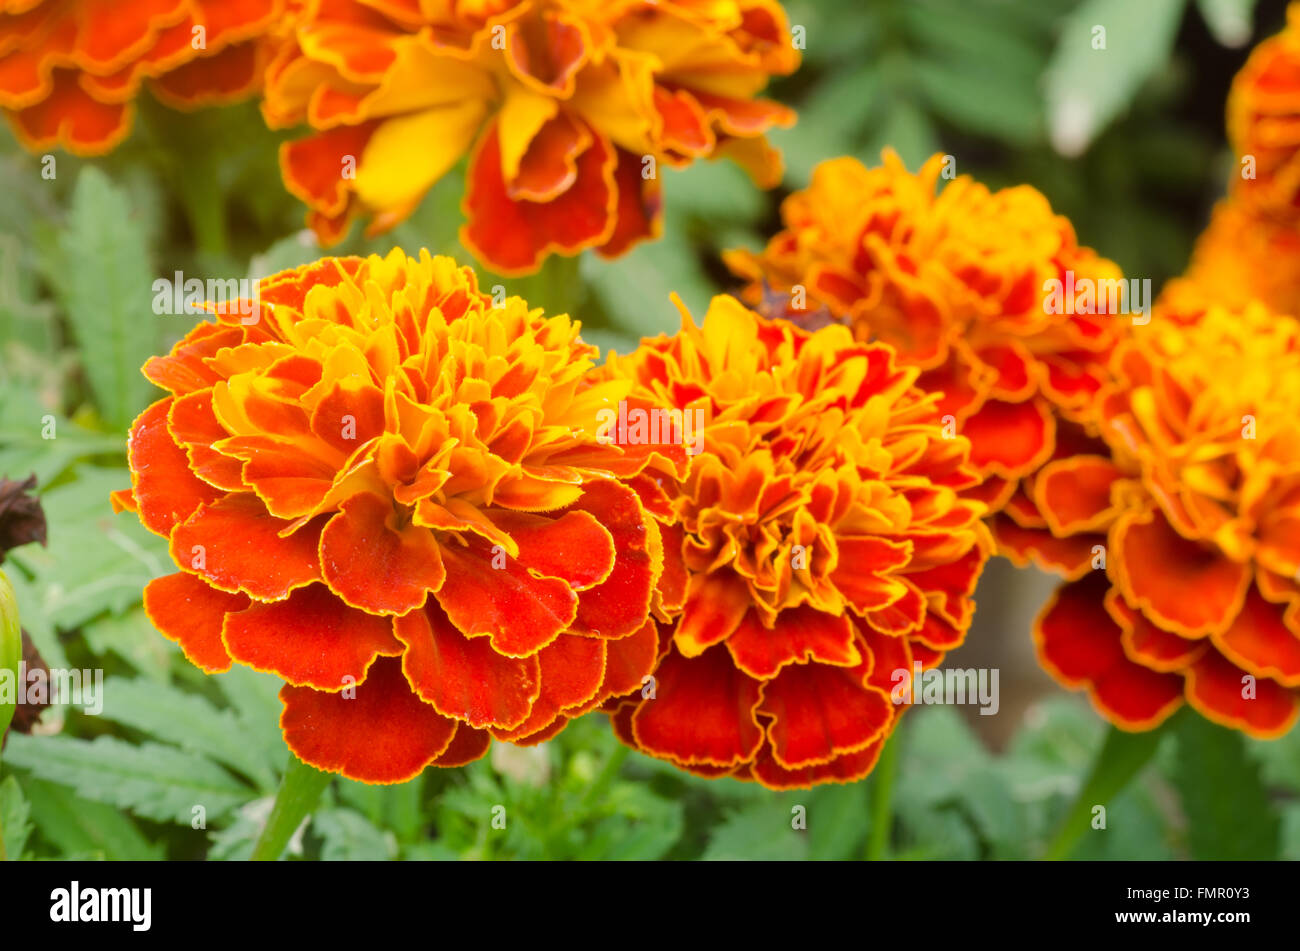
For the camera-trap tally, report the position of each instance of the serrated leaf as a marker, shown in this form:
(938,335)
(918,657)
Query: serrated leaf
(153,781)
(96,561)
(102,278)
(1229,814)
(760,831)
(347,836)
(185,720)
(255,697)
(78,828)
(15,818)
(1087,87)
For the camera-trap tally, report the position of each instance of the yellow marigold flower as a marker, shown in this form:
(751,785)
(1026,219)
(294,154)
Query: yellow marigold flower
(817,549)
(70,69)
(987,293)
(562,104)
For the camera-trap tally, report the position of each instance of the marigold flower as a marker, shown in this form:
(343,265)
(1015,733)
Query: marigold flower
(818,547)
(391,494)
(1193,510)
(562,105)
(958,283)
(1240,257)
(71,69)
(1263,120)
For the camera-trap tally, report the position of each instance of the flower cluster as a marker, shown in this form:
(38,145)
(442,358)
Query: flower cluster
(567,108)
(391,494)
(70,70)
(988,293)
(818,548)
(1194,513)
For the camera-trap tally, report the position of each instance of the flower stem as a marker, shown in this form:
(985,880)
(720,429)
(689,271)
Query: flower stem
(298,795)
(882,798)
(1120,758)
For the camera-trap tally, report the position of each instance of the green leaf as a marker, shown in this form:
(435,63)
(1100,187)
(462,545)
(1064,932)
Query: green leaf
(15,819)
(255,697)
(185,720)
(760,831)
(349,837)
(154,781)
(1122,757)
(1229,815)
(1229,20)
(76,827)
(102,278)
(1087,87)
(96,561)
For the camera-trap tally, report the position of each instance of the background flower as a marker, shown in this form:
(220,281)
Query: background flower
(70,70)
(1196,509)
(818,548)
(389,493)
(955,282)
(566,108)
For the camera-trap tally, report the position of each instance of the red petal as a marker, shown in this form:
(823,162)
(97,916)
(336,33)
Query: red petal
(1215,687)
(702,712)
(187,611)
(463,677)
(310,638)
(619,605)
(572,669)
(522,613)
(848,768)
(1260,641)
(1184,587)
(1010,439)
(375,566)
(511,236)
(800,635)
(383,735)
(242,550)
(1073,495)
(166,491)
(822,712)
(715,606)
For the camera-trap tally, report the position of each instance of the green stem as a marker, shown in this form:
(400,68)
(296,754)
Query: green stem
(1120,758)
(882,798)
(298,795)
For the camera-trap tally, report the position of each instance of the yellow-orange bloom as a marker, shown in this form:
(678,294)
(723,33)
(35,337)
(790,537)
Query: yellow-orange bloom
(987,293)
(819,547)
(1264,126)
(1193,512)
(391,493)
(1240,257)
(568,108)
(71,69)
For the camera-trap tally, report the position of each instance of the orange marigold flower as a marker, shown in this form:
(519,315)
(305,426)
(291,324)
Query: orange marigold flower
(1193,510)
(1264,125)
(960,284)
(1239,257)
(70,69)
(391,494)
(563,105)
(818,548)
